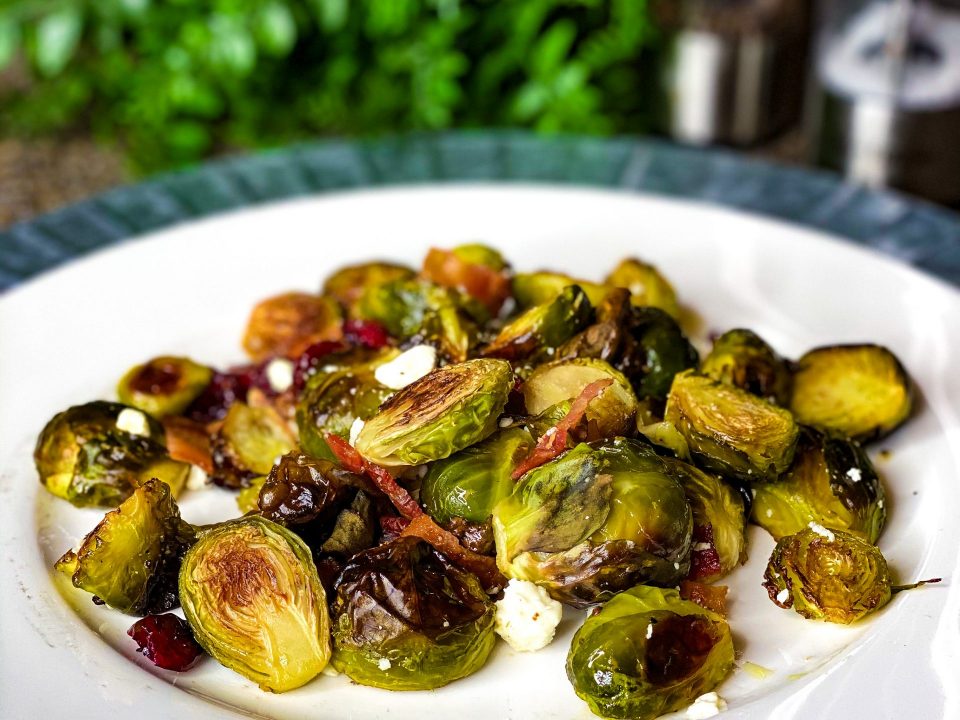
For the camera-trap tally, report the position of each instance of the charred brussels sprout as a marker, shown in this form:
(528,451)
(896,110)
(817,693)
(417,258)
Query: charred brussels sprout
(542,328)
(406,618)
(531,289)
(594,522)
(288,324)
(731,431)
(831,482)
(741,358)
(164,385)
(248,443)
(648,652)
(131,559)
(827,575)
(445,411)
(646,285)
(610,414)
(251,595)
(301,489)
(470,483)
(860,391)
(661,350)
(348,284)
(84,457)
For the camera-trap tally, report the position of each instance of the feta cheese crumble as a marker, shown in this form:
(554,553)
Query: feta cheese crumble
(407,367)
(355,430)
(822,531)
(197,479)
(527,617)
(702,547)
(279,373)
(706,706)
(384,664)
(854,474)
(133,422)
(783,595)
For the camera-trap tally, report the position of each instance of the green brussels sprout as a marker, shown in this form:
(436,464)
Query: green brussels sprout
(251,594)
(741,358)
(247,444)
(342,392)
(164,385)
(249,497)
(648,652)
(666,437)
(595,521)
(542,328)
(860,391)
(646,285)
(531,289)
(83,456)
(470,483)
(406,618)
(731,431)
(831,482)
(443,412)
(131,559)
(719,522)
(479,254)
(436,315)
(557,383)
(348,284)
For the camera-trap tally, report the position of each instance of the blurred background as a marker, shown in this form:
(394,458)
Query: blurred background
(96,93)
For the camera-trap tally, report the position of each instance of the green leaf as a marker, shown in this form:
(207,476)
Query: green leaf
(56,40)
(276,29)
(9,40)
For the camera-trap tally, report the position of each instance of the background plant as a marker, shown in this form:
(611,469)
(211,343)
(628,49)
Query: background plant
(172,81)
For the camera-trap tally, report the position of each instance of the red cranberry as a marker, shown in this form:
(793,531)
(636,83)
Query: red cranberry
(311,358)
(366,333)
(166,641)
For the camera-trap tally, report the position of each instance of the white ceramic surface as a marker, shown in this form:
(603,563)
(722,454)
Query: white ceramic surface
(67,336)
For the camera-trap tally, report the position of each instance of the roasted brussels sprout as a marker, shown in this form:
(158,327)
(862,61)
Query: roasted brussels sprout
(251,595)
(860,391)
(248,443)
(477,270)
(646,285)
(719,522)
(84,457)
(731,431)
(406,618)
(131,559)
(541,329)
(531,289)
(646,653)
(348,284)
(554,384)
(445,411)
(301,489)
(286,325)
(470,483)
(741,358)
(248,499)
(594,522)
(831,482)
(164,385)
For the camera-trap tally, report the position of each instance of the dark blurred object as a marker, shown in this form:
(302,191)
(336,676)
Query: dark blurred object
(887,107)
(733,71)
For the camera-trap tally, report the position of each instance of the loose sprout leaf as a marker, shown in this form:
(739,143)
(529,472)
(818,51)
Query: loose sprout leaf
(537,332)
(743,359)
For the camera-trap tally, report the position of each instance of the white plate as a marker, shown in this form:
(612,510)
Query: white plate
(69,335)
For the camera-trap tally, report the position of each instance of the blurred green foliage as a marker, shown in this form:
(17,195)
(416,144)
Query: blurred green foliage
(173,81)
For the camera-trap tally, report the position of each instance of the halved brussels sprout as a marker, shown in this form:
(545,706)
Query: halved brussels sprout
(248,443)
(608,415)
(719,522)
(406,618)
(131,559)
(474,269)
(343,391)
(164,385)
(470,483)
(252,597)
(347,285)
(731,431)
(531,289)
(286,325)
(831,482)
(82,456)
(648,652)
(860,391)
(741,358)
(646,285)
(542,328)
(445,411)
(595,521)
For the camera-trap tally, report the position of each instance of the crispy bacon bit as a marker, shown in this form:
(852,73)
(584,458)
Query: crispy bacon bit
(478,281)
(188,441)
(485,568)
(711,597)
(554,441)
(706,562)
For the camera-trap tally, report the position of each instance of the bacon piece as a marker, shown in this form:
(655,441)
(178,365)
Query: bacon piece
(188,441)
(484,567)
(711,597)
(484,284)
(554,441)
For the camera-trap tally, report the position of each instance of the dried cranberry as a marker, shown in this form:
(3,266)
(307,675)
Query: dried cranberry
(224,389)
(392,526)
(366,333)
(166,641)
(706,562)
(311,358)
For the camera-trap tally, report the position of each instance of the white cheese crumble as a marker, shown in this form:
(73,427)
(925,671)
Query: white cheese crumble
(355,430)
(706,706)
(330,671)
(702,547)
(384,664)
(279,374)
(133,422)
(506,422)
(197,479)
(783,595)
(854,474)
(407,367)
(649,631)
(527,617)
(822,531)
